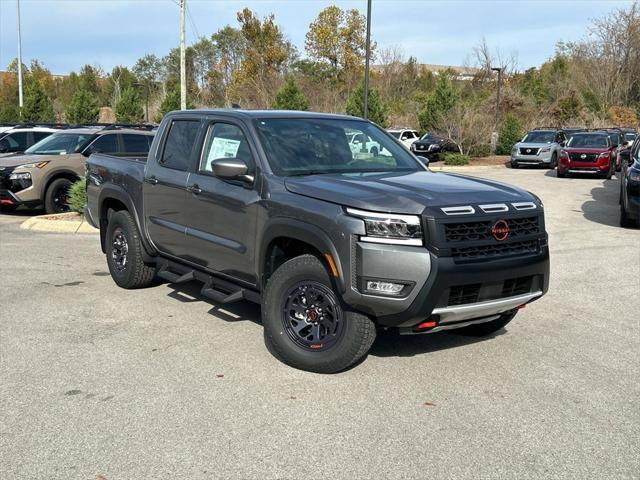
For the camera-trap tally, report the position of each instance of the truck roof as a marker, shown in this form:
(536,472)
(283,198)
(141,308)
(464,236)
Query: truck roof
(239,112)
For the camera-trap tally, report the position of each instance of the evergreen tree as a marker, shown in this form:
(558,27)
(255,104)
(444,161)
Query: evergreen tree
(439,102)
(510,134)
(129,108)
(290,97)
(376,108)
(38,107)
(82,108)
(171,102)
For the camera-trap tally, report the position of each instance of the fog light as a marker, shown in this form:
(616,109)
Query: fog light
(385,288)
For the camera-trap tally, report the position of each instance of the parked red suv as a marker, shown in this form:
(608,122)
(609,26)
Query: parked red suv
(588,152)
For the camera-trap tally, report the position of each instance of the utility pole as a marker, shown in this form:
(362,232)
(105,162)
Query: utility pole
(499,70)
(183,59)
(20,99)
(366,62)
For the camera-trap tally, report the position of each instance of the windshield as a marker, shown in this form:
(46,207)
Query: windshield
(306,146)
(615,138)
(59,144)
(539,137)
(587,141)
(629,137)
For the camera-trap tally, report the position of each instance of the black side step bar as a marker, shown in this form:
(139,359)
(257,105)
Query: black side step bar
(214,288)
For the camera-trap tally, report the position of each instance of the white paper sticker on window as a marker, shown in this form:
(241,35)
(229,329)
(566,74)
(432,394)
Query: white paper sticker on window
(221,148)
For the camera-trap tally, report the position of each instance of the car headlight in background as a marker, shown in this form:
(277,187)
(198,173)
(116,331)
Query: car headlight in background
(20,176)
(545,149)
(390,228)
(514,150)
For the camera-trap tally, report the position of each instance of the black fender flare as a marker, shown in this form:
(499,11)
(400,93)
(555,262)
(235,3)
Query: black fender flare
(302,231)
(116,192)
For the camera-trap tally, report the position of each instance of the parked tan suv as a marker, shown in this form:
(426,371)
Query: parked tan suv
(44,173)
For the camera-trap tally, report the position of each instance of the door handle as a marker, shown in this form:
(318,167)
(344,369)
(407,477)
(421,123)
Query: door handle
(152,180)
(195,189)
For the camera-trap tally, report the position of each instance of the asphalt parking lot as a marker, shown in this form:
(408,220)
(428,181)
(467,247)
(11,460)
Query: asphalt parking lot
(101,383)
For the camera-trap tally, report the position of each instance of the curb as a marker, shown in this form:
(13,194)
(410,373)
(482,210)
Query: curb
(52,223)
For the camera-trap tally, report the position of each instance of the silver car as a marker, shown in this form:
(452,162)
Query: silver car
(538,147)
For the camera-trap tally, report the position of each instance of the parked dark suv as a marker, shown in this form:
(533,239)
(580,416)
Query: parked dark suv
(433,146)
(630,186)
(333,242)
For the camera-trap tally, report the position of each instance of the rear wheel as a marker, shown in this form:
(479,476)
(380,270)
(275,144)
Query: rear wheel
(487,328)
(57,196)
(124,253)
(305,323)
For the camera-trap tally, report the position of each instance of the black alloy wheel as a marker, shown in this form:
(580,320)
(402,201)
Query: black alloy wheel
(119,249)
(312,316)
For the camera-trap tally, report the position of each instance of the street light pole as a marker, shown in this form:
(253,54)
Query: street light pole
(366,63)
(20,99)
(499,70)
(183,60)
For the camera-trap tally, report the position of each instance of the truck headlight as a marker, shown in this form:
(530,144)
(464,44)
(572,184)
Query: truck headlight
(390,228)
(20,176)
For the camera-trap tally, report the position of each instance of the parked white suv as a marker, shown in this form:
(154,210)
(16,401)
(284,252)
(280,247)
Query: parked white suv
(405,135)
(18,139)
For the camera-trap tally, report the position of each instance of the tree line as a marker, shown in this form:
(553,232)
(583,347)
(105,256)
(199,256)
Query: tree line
(590,82)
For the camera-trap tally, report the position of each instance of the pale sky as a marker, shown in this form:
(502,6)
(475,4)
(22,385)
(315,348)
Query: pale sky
(66,34)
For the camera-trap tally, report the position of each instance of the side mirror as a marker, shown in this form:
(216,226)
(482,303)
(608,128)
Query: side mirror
(625,155)
(424,160)
(231,168)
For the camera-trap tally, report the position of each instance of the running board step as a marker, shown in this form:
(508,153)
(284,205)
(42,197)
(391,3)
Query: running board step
(222,297)
(174,277)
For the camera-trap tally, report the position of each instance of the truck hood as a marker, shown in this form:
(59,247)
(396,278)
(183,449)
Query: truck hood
(22,159)
(404,192)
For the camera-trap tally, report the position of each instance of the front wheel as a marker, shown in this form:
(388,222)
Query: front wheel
(553,163)
(305,323)
(57,195)
(487,328)
(560,173)
(124,253)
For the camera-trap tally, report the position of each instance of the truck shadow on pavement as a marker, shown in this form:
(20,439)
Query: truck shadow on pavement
(603,206)
(388,343)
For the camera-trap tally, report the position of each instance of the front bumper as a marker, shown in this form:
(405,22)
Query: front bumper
(437,279)
(543,158)
(7,197)
(600,166)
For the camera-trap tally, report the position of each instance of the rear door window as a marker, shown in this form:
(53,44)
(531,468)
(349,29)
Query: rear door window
(135,144)
(107,143)
(179,145)
(18,141)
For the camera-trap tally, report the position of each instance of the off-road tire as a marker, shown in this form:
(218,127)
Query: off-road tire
(50,205)
(487,328)
(136,273)
(357,332)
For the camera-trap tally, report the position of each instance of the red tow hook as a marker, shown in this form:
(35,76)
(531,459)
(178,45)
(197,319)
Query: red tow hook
(430,322)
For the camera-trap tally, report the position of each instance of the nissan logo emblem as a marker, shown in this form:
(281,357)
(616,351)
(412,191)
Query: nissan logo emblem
(500,230)
(528,150)
(583,156)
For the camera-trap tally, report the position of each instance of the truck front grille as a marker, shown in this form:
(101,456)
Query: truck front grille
(474,231)
(495,250)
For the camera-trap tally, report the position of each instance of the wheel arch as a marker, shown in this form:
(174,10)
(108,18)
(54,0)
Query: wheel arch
(297,238)
(115,198)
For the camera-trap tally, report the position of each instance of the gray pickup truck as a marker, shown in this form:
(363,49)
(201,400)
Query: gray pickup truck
(275,207)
